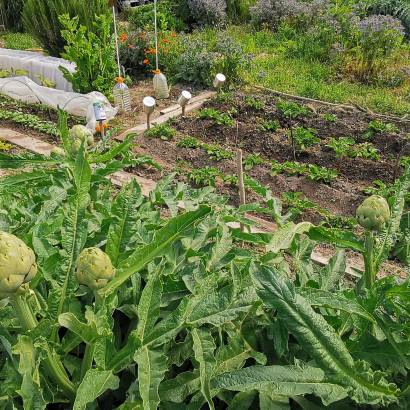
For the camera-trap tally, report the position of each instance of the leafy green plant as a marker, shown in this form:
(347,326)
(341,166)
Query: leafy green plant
(329,117)
(216,116)
(231,180)
(254,103)
(206,176)
(269,126)
(252,160)
(92,51)
(30,121)
(41,19)
(289,167)
(141,160)
(341,146)
(162,131)
(303,137)
(292,110)
(217,153)
(321,174)
(376,127)
(189,142)
(366,150)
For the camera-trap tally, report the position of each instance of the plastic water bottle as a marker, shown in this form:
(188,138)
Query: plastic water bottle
(121,94)
(160,85)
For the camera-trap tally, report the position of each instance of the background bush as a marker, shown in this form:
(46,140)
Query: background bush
(41,19)
(397,8)
(11,10)
(93,51)
(207,12)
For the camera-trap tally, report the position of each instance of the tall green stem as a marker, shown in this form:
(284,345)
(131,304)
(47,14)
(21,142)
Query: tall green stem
(87,359)
(369,273)
(52,364)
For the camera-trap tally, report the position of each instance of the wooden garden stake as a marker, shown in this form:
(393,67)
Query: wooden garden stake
(241,184)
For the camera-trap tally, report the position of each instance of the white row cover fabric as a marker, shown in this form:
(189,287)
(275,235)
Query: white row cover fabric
(37,64)
(24,89)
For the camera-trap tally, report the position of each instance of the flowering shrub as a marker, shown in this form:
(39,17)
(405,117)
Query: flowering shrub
(207,12)
(377,38)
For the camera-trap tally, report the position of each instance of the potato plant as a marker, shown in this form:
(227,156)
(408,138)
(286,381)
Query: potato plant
(113,300)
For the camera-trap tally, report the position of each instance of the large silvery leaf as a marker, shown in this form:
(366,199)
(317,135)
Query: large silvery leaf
(125,216)
(30,390)
(333,271)
(94,384)
(222,246)
(216,308)
(204,347)
(74,232)
(281,380)
(283,238)
(337,237)
(164,238)
(178,389)
(320,340)
(149,306)
(152,365)
(321,298)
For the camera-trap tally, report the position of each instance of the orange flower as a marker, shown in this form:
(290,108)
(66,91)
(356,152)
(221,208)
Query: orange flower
(165,40)
(174,35)
(131,46)
(146,61)
(98,128)
(123,37)
(105,125)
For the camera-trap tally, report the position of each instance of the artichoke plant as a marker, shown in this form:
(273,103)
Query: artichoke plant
(374,213)
(17,264)
(80,135)
(94,268)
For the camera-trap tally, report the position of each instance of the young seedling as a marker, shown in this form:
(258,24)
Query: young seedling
(216,116)
(217,153)
(321,174)
(329,117)
(189,142)
(204,176)
(292,110)
(376,127)
(341,146)
(303,138)
(162,131)
(252,160)
(254,103)
(269,126)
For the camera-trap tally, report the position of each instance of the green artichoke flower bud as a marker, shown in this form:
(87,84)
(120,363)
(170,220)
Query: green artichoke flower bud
(373,213)
(94,268)
(17,264)
(58,151)
(80,134)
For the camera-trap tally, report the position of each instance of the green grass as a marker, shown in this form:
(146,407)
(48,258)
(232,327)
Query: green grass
(272,68)
(18,41)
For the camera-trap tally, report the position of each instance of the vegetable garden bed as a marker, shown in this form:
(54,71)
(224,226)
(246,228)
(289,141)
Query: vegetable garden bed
(340,156)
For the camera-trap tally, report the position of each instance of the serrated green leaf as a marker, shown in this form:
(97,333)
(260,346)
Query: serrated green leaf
(204,347)
(333,300)
(319,339)
(337,237)
(94,384)
(164,238)
(283,238)
(335,270)
(281,380)
(125,214)
(152,365)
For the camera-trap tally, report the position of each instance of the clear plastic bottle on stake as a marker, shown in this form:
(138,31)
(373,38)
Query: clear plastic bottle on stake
(160,81)
(121,93)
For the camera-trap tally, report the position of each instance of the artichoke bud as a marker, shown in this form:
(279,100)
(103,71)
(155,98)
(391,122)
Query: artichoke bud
(58,151)
(17,264)
(80,134)
(94,268)
(374,213)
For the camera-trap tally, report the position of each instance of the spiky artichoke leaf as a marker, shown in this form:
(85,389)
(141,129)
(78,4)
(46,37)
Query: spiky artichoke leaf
(320,340)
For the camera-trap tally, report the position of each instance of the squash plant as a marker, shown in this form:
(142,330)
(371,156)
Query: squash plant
(137,304)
